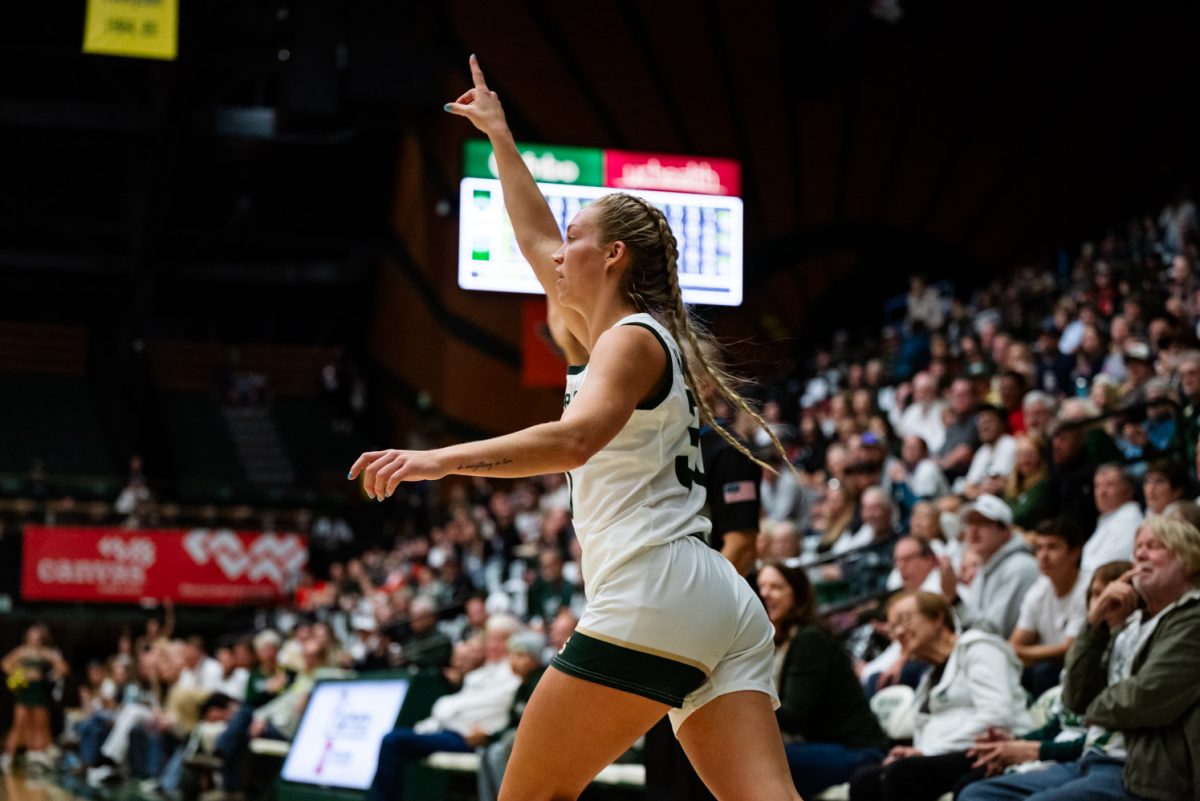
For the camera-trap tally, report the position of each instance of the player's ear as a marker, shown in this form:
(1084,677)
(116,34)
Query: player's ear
(614,252)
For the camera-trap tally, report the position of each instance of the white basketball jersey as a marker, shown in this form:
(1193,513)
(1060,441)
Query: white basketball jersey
(646,486)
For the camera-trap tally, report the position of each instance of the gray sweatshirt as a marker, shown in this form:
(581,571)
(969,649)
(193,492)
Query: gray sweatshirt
(996,594)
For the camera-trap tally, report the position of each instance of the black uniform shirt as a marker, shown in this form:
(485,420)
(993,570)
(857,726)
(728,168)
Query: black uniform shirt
(731,479)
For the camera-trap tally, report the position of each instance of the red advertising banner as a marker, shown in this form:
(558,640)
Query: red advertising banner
(198,566)
(542,363)
(696,174)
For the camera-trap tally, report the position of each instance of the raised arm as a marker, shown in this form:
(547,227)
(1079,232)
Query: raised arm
(571,347)
(626,367)
(536,229)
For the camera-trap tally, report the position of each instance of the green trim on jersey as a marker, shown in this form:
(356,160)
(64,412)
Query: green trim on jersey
(648,675)
(575,369)
(664,388)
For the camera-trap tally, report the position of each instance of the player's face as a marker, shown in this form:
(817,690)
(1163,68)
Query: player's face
(580,261)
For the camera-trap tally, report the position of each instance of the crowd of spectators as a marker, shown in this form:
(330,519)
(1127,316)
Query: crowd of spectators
(994,495)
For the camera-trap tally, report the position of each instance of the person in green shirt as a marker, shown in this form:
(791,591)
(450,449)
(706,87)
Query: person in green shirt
(550,592)
(1029,491)
(268,678)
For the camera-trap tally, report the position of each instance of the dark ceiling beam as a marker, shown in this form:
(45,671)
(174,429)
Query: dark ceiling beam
(1090,202)
(1055,230)
(850,97)
(639,35)
(450,321)
(73,115)
(900,136)
(108,117)
(282,272)
(557,42)
(791,21)
(1053,118)
(433,166)
(751,192)
(841,63)
(1027,152)
(54,261)
(118,85)
(785,252)
(983,88)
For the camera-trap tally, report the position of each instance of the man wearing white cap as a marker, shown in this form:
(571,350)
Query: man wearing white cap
(1007,568)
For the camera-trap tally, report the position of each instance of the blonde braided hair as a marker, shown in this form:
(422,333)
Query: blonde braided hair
(652,284)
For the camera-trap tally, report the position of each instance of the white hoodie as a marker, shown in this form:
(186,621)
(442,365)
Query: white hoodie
(980,687)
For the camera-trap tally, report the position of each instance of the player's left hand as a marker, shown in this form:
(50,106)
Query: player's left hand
(382,471)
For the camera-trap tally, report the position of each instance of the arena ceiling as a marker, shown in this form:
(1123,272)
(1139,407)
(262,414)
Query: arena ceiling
(957,138)
(962,136)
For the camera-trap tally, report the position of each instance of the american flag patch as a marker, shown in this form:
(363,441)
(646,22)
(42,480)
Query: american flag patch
(739,491)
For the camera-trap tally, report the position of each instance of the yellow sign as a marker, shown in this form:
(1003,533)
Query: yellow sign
(137,28)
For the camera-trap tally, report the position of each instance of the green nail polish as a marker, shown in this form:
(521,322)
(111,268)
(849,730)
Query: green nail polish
(446,107)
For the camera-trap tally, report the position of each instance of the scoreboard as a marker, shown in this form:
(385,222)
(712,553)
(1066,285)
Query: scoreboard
(699,197)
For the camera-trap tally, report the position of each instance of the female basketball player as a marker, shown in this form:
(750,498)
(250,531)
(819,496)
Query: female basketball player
(670,627)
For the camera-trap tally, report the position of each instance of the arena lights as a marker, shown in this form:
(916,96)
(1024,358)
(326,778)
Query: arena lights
(700,197)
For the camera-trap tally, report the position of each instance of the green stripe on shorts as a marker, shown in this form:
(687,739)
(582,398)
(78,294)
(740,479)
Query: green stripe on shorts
(655,677)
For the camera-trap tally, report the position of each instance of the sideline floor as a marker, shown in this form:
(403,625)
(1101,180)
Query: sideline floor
(18,786)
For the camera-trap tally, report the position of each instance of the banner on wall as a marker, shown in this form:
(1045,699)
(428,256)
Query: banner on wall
(197,566)
(542,363)
(135,28)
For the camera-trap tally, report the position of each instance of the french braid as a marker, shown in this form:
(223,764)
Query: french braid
(652,284)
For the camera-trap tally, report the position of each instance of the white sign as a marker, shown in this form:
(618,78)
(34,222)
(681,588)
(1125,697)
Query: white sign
(337,743)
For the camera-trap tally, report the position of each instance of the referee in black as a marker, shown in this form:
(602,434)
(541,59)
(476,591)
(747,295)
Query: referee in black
(732,481)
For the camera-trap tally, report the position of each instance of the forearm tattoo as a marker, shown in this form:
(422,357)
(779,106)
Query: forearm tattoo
(484,466)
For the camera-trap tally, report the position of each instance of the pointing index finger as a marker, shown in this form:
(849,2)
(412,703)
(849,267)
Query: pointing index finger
(1127,576)
(477,74)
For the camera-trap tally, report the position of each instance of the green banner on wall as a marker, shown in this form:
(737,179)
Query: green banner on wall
(549,164)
